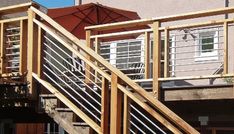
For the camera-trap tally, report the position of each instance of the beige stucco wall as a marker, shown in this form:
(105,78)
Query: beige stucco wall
(154,8)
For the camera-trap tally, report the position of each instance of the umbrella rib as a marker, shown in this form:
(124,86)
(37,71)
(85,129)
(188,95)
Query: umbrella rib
(70,13)
(117,13)
(82,20)
(110,16)
(87,15)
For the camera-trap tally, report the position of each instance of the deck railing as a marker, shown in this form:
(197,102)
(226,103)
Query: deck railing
(13,43)
(185,47)
(74,72)
(100,83)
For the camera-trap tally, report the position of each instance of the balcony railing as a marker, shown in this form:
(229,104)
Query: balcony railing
(187,47)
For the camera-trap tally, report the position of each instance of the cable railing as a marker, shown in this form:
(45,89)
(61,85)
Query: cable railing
(70,78)
(13,52)
(186,51)
(57,74)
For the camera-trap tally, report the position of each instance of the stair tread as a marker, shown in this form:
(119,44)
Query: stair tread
(63,109)
(79,124)
(47,95)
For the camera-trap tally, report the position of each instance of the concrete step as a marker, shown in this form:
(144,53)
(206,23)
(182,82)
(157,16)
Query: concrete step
(81,127)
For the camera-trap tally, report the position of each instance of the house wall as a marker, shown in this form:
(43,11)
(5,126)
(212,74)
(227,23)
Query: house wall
(155,8)
(152,8)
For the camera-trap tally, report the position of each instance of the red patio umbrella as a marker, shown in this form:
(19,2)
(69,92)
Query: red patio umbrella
(75,18)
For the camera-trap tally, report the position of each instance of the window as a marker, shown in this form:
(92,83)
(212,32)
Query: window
(128,53)
(207,46)
(123,54)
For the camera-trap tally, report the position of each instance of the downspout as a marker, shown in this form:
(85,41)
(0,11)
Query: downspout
(226,4)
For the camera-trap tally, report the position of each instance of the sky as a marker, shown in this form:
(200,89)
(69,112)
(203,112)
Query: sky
(55,3)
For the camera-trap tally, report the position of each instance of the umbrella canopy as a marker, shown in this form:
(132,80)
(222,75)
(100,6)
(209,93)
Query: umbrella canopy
(75,18)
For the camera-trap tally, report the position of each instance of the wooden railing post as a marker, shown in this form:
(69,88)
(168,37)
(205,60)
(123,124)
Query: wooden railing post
(32,53)
(166,54)
(156,59)
(2,48)
(88,68)
(116,106)
(147,55)
(39,54)
(23,46)
(126,114)
(97,50)
(225,35)
(105,106)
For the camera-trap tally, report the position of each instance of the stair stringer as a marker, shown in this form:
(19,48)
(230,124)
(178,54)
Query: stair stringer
(68,103)
(65,124)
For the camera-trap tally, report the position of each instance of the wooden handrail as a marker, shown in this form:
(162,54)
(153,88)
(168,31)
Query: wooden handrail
(16,8)
(183,16)
(158,105)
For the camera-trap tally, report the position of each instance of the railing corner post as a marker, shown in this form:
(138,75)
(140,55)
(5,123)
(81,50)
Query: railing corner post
(156,59)
(32,53)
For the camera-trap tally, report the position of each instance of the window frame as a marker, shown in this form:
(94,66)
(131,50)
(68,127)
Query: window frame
(204,56)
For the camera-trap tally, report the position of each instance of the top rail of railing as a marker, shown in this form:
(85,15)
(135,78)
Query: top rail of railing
(16,8)
(177,17)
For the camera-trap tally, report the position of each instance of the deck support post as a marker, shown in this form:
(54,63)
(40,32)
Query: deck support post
(32,53)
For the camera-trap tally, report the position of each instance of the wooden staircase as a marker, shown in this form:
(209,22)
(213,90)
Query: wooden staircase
(92,94)
(63,116)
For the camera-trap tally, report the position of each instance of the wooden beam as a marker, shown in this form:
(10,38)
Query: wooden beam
(116,106)
(14,19)
(2,49)
(118,25)
(39,53)
(147,54)
(32,53)
(225,49)
(199,94)
(88,68)
(166,53)
(198,24)
(105,106)
(183,16)
(119,34)
(97,50)
(16,8)
(23,46)
(156,59)
(68,103)
(126,114)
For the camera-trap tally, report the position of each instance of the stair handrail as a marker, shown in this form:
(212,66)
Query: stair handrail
(155,103)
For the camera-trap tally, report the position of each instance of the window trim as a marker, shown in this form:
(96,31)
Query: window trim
(199,56)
